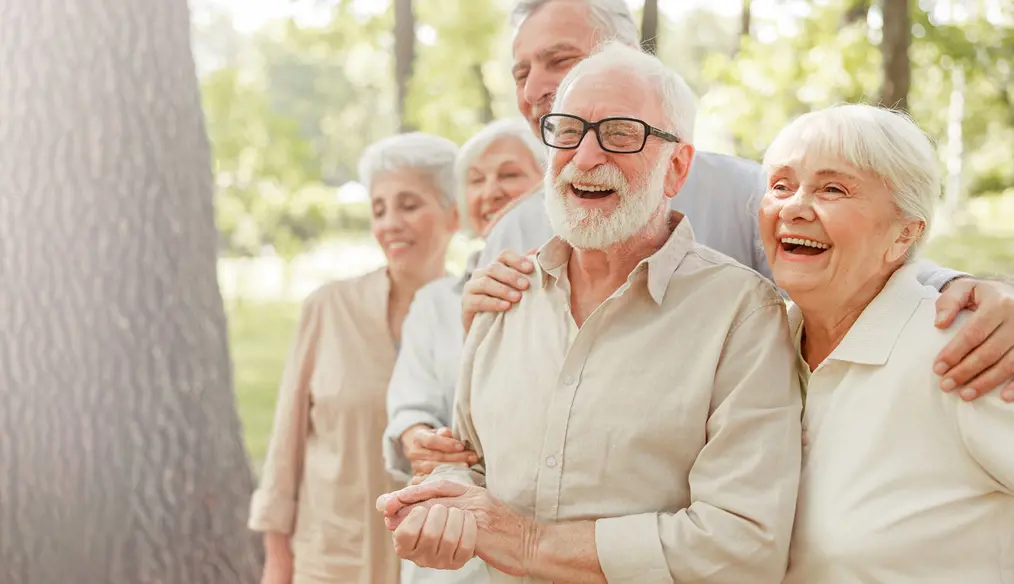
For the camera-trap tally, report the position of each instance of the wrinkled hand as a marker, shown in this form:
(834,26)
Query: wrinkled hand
(421,519)
(980,358)
(496,287)
(427,449)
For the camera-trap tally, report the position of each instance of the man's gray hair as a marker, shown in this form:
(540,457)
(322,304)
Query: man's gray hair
(417,151)
(677,99)
(515,127)
(612,17)
(885,142)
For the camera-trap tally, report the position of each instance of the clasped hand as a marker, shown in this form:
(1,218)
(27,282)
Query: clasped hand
(444,524)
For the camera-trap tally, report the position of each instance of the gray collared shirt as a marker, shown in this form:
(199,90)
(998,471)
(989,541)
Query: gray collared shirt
(721,198)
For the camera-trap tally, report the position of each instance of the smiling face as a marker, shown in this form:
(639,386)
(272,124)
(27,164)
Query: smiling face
(549,42)
(831,231)
(596,198)
(412,220)
(502,173)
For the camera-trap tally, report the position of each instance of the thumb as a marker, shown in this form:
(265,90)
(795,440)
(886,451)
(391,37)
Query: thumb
(445,432)
(956,296)
(424,492)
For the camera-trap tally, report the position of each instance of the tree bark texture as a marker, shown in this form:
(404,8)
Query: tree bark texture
(649,27)
(897,36)
(404,56)
(121,457)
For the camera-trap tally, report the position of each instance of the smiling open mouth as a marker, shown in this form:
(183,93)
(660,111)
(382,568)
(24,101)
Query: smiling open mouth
(589,192)
(797,246)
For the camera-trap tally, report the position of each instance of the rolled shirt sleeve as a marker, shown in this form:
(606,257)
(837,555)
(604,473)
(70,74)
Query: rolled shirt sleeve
(273,505)
(415,395)
(744,482)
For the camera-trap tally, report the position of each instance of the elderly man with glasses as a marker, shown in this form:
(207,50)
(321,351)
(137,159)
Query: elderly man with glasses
(593,467)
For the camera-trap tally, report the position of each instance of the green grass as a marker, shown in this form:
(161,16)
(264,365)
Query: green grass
(260,334)
(259,339)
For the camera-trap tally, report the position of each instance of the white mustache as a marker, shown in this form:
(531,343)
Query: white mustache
(606,175)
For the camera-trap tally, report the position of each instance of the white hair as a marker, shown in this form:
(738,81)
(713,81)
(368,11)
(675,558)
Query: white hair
(612,18)
(885,142)
(677,99)
(426,153)
(474,147)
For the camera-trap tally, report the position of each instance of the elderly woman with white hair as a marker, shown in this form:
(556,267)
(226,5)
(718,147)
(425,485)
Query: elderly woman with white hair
(496,168)
(324,467)
(900,482)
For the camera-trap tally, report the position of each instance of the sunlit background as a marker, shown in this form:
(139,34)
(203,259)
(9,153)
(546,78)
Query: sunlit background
(294,90)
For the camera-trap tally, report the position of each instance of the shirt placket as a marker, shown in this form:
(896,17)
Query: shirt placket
(551,461)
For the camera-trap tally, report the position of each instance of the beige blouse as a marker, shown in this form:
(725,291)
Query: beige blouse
(324,468)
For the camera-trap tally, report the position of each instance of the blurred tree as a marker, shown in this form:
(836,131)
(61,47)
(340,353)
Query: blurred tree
(894,44)
(649,26)
(122,459)
(404,57)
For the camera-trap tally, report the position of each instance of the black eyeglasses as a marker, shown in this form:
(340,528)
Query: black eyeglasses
(617,135)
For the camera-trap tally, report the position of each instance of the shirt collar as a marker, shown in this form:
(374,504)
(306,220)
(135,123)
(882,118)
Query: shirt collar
(552,258)
(872,338)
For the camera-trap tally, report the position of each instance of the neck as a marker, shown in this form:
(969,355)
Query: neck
(826,323)
(599,273)
(405,283)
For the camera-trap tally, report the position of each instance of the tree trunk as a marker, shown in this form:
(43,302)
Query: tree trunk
(745,15)
(404,56)
(121,458)
(897,36)
(486,107)
(955,154)
(649,27)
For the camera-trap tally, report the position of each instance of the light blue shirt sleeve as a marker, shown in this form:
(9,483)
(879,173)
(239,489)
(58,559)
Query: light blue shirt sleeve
(522,229)
(415,394)
(935,276)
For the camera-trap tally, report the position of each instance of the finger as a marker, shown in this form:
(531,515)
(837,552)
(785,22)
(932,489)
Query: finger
(436,489)
(511,259)
(1008,392)
(473,304)
(445,431)
(391,504)
(970,352)
(451,537)
(992,377)
(425,467)
(432,532)
(508,276)
(434,441)
(469,536)
(406,535)
(958,295)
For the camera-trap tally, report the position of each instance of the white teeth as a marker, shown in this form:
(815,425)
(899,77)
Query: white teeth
(806,242)
(592,188)
(397,244)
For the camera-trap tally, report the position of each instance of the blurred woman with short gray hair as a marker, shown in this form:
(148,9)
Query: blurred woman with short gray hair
(324,468)
(497,167)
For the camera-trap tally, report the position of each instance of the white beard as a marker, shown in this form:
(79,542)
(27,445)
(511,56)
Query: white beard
(599,229)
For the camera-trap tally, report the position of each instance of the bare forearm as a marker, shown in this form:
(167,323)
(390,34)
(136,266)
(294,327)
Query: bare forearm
(565,553)
(277,545)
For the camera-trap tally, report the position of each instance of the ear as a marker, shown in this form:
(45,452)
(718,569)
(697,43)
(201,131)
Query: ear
(679,168)
(910,232)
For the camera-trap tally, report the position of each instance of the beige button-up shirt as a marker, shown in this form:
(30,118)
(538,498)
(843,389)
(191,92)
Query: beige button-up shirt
(671,417)
(324,468)
(901,482)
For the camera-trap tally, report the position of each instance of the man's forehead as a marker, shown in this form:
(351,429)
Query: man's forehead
(608,93)
(558,24)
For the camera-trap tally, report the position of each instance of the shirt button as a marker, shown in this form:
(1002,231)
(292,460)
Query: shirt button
(568,380)
(551,461)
